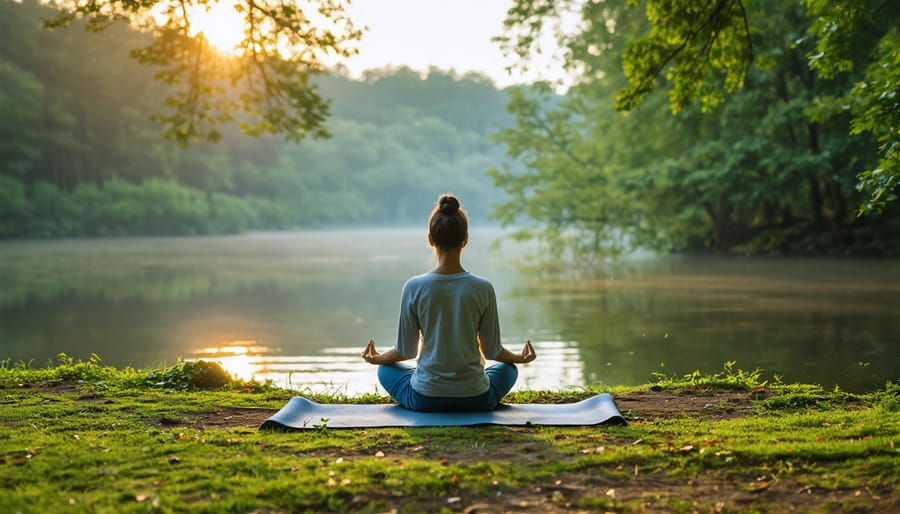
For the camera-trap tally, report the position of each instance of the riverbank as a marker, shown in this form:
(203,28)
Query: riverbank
(82,437)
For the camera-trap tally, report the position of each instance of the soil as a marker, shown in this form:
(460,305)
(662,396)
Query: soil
(615,489)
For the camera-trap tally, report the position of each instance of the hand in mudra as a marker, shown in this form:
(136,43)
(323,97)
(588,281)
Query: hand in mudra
(527,354)
(370,354)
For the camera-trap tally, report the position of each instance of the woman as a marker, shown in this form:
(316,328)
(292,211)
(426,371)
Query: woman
(454,315)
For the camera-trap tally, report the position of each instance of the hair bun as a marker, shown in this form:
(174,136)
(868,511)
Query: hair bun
(449,205)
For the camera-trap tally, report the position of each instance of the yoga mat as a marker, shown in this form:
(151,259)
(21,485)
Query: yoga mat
(300,413)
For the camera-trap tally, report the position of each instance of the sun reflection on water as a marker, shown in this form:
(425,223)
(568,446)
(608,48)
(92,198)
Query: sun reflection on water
(244,360)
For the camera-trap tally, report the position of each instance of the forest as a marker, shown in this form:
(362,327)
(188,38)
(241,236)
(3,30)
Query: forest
(780,158)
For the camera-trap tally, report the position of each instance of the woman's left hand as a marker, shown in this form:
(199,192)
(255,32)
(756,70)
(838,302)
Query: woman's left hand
(527,354)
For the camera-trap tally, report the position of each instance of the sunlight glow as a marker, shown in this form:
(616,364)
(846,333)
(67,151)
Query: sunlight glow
(241,359)
(220,24)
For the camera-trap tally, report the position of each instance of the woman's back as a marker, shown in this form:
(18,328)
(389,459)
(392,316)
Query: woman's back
(451,311)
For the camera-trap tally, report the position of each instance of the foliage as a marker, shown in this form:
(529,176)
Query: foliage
(66,369)
(703,50)
(728,379)
(766,171)
(118,208)
(186,374)
(267,76)
(862,34)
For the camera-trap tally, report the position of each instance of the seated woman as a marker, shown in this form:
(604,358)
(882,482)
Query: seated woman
(454,315)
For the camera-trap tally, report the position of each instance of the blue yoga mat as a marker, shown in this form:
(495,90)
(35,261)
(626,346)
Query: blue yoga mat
(300,413)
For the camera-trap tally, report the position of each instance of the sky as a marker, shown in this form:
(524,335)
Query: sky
(449,34)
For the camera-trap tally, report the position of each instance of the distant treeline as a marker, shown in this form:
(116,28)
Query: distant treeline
(81,156)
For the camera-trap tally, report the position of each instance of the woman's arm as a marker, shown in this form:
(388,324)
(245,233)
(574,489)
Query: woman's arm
(526,355)
(371,355)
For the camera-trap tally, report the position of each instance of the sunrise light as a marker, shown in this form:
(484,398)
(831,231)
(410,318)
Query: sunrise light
(220,23)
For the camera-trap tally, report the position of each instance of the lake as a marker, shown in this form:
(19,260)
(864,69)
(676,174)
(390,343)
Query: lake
(298,308)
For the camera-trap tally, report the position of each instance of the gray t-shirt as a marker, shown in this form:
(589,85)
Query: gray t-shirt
(449,313)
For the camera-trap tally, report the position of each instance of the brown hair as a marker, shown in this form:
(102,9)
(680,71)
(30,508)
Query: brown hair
(448,225)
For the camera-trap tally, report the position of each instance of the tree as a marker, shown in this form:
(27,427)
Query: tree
(751,171)
(704,50)
(862,34)
(264,85)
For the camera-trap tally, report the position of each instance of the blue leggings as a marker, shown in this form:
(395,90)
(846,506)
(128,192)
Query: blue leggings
(395,379)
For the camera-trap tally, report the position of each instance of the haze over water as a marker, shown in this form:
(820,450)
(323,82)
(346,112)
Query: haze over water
(297,308)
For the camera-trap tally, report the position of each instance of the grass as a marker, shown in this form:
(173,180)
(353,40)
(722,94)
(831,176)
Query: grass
(78,436)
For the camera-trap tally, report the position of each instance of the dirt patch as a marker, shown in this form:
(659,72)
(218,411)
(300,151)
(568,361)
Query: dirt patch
(714,405)
(231,417)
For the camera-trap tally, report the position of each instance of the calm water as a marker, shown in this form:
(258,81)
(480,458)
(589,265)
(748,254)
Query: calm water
(298,308)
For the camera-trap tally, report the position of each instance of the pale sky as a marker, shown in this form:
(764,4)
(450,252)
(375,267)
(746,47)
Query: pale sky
(449,34)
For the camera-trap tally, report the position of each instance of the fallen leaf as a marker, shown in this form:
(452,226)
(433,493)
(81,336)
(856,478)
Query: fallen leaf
(761,484)
(21,460)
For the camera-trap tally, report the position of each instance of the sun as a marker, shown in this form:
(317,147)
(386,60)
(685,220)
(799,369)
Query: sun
(220,23)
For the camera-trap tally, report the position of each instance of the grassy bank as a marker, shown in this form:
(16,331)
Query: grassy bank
(82,437)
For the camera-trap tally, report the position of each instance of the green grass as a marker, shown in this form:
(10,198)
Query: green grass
(82,437)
